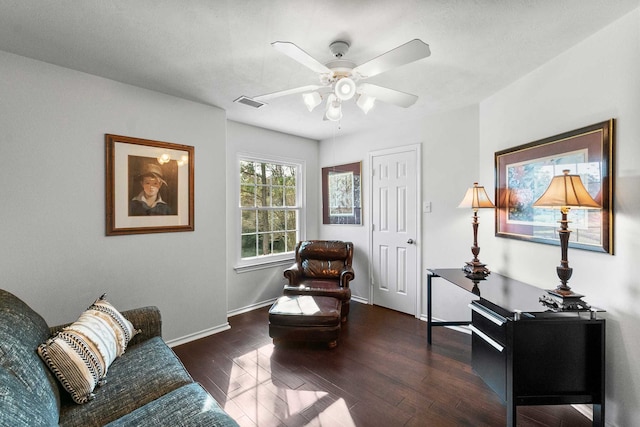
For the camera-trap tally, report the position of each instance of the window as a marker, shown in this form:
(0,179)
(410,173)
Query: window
(270,209)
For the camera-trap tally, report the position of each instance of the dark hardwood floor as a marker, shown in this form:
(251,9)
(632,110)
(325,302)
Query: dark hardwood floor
(382,373)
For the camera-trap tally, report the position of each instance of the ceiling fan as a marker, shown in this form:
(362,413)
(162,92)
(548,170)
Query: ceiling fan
(341,79)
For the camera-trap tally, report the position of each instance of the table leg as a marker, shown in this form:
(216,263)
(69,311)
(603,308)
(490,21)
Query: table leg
(598,415)
(512,414)
(429,326)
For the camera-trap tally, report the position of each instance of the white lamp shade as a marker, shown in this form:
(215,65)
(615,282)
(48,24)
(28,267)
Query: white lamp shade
(365,102)
(475,198)
(311,100)
(566,191)
(345,88)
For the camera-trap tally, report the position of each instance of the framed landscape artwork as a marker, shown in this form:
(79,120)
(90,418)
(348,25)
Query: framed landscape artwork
(341,194)
(149,186)
(524,172)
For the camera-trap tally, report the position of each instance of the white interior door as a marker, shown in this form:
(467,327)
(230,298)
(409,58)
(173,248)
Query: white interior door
(395,228)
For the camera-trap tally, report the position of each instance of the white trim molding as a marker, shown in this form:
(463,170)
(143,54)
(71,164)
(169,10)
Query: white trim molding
(251,307)
(197,335)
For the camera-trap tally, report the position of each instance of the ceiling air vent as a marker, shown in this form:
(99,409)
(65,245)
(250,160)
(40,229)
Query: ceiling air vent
(250,102)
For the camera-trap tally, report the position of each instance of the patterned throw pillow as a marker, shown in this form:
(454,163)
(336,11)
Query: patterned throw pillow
(80,354)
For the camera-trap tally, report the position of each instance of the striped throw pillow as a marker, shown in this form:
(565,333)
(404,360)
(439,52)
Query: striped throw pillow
(80,355)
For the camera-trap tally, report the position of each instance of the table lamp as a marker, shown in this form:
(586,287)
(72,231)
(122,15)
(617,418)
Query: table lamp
(565,192)
(476,198)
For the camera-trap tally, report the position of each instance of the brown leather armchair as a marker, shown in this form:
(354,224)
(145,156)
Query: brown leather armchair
(322,268)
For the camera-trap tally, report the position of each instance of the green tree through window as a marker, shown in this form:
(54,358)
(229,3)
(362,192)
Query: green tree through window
(269,208)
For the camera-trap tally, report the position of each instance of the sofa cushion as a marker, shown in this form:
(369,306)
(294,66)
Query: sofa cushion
(144,373)
(189,405)
(80,354)
(25,380)
(18,405)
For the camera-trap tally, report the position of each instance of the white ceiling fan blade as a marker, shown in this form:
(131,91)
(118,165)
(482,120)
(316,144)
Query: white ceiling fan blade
(301,89)
(409,52)
(294,52)
(390,96)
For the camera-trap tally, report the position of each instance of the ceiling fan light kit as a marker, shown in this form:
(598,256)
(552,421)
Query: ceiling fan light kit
(365,102)
(334,109)
(341,77)
(345,88)
(311,100)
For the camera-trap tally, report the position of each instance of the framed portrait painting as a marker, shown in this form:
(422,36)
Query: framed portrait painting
(523,173)
(341,194)
(149,186)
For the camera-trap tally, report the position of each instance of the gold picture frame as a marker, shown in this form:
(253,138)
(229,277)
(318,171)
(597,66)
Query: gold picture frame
(166,168)
(524,172)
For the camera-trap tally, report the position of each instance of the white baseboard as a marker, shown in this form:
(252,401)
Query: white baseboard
(216,329)
(251,307)
(359,299)
(462,329)
(197,335)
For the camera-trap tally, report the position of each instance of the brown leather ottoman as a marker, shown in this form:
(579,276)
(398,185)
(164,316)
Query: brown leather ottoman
(305,318)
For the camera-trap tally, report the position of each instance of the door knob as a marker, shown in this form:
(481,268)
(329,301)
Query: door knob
(410,241)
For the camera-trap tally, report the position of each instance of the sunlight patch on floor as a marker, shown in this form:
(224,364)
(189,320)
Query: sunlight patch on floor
(252,390)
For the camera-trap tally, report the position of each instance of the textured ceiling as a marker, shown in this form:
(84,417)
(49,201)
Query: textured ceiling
(213,51)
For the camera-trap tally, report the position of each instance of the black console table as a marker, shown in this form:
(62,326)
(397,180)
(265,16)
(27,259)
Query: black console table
(527,354)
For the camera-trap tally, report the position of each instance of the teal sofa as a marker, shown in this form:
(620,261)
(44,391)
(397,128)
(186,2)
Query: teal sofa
(146,386)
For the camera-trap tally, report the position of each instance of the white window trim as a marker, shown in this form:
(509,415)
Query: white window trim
(268,261)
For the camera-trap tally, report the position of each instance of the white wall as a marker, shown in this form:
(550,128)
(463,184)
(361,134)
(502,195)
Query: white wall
(449,166)
(255,288)
(55,256)
(54,253)
(592,82)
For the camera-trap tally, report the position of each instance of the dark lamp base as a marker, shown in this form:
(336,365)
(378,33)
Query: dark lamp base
(558,301)
(476,270)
